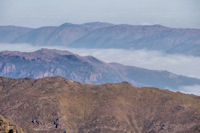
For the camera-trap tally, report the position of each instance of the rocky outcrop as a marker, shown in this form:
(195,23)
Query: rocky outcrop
(8,127)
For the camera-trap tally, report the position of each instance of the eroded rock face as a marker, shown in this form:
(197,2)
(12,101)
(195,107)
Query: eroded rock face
(8,68)
(8,127)
(60,105)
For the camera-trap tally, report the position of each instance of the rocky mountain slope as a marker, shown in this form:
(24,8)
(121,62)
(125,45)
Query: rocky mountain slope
(60,105)
(105,35)
(48,62)
(8,127)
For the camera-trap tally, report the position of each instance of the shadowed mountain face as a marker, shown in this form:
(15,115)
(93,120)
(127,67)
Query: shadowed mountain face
(105,35)
(46,62)
(61,105)
(9,33)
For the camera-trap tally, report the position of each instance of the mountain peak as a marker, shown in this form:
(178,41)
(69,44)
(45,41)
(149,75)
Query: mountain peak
(67,24)
(43,51)
(97,23)
(52,51)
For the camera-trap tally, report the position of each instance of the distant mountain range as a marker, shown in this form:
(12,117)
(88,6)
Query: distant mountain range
(59,105)
(106,35)
(85,69)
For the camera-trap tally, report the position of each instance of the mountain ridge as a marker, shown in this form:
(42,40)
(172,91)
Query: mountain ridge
(105,35)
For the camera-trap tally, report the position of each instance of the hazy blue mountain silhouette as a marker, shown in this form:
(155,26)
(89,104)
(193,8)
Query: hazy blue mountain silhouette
(106,35)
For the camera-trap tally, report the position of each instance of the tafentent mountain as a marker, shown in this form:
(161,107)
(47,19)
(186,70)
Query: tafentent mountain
(85,69)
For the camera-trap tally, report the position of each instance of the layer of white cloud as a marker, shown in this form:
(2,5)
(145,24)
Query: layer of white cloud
(179,64)
(194,89)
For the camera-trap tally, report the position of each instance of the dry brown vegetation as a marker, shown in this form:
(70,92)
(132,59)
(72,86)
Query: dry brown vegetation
(57,104)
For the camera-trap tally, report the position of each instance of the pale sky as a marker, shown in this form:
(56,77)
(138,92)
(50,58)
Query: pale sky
(36,13)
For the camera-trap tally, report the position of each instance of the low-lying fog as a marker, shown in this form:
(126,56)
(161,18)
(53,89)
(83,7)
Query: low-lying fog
(179,64)
(194,89)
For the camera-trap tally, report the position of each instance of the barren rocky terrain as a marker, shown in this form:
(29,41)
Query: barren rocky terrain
(57,104)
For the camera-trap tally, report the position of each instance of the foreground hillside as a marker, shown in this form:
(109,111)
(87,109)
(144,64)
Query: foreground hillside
(105,35)
(47,62)
(8,127)
(60,105)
